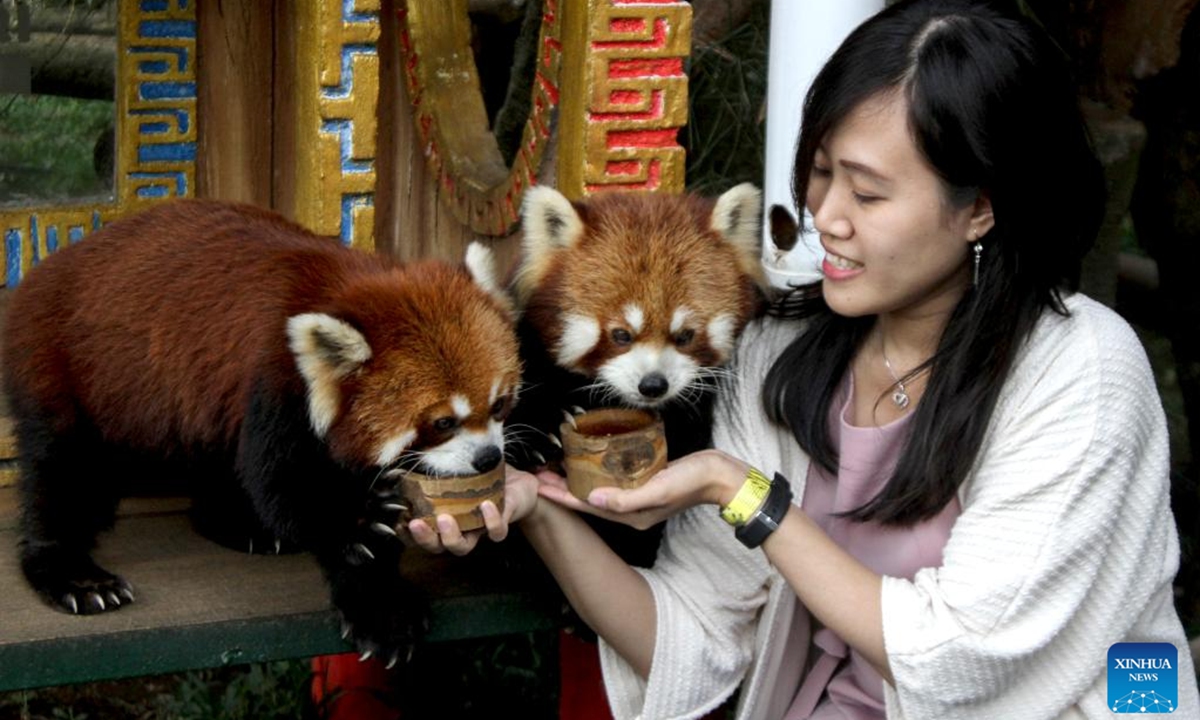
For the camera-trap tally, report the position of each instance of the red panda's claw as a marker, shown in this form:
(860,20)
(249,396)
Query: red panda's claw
(554,439)
(391,663)
(359,553)
(394,507)
(95,602)
(576,410)
(113,599)
(541,459)
(570,418)
(383,529)
(366,655)
(69,601)
(345,631)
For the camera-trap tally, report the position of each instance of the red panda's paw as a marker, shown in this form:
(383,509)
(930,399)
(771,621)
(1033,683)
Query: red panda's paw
(384,512)
(78,587)
(384,625)
(530,448)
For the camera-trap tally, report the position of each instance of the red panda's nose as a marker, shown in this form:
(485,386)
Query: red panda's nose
(653,385)
(486,458)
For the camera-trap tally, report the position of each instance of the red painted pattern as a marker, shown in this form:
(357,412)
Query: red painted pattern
(626,97)
(641,138)
(550,88)
(658,67)
(622,167)
(655,112)
(551,45)
(659,40)
(627,25)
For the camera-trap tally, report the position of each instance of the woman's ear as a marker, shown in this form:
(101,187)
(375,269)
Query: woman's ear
(982,219)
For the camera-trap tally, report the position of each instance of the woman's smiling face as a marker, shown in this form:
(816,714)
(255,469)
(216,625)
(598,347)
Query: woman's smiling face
(893,242)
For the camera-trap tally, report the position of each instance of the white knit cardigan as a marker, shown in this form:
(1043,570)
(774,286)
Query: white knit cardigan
(1065,545)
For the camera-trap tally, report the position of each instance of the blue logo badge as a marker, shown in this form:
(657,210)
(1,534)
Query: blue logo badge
(1143,678)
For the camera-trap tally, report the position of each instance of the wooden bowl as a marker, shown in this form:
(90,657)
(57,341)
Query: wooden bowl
(428,496)
(612,447)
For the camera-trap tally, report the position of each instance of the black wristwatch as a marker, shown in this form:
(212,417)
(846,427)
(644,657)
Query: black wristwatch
(766,520)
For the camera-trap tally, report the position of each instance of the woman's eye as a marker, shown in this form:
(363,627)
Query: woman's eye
(820,171)
(862,199)
(684,338)
(621,336)
(445,424)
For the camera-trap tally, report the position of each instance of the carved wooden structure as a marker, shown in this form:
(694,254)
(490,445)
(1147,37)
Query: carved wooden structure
(353,118)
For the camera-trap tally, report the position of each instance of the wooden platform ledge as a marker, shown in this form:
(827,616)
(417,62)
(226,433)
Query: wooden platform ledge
(200,605)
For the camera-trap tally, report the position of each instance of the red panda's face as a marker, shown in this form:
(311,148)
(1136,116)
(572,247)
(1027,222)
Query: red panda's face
(647,294)
(418,370)
(448,420)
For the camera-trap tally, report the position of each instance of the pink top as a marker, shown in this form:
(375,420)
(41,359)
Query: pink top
(840,684)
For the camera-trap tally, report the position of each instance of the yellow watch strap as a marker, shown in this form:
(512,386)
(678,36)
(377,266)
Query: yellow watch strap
(748,500)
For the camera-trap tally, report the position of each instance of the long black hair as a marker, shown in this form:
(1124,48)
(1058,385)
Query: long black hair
(993,110)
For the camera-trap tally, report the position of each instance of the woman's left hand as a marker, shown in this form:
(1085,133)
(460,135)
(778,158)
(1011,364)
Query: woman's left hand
(703,477)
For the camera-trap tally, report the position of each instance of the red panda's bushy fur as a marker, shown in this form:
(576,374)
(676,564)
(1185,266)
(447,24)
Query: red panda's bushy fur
(222,341)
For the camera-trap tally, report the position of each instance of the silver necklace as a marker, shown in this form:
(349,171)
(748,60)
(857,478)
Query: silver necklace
(900,396)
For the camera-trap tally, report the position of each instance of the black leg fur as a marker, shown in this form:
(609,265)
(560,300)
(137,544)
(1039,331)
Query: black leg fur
(68,497)
(303,497)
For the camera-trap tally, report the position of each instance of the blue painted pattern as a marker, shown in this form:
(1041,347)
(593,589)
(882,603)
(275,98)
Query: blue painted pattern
(163,189)
(346,88)
(167,29)
(344,129)
(12,257)
(349,202)
(164,100)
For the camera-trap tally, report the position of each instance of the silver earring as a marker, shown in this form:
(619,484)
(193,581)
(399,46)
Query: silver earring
(977,248)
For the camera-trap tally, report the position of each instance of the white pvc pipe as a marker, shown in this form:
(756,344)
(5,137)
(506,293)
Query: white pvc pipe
(804,33)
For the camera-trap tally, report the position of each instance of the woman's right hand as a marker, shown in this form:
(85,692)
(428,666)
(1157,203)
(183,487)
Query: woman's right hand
(704,477)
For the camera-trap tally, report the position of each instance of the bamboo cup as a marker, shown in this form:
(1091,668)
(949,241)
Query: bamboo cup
(427,496)
(612,447)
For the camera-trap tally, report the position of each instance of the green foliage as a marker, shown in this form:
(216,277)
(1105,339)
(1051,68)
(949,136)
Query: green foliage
(258,692)
(725,137)
(47,148)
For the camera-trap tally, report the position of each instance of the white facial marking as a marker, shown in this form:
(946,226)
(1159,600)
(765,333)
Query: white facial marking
(580,335)
(720,334)
(453,457)
(679,317)
(635,318)
(625,372)
(392,448)
(494,393)
(461,406)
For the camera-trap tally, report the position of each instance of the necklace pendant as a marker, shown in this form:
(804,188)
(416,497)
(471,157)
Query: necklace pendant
(900,399)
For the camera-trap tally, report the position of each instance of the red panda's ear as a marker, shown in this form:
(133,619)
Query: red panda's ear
(549,223)
(326,351)
(481,266)
(737,216)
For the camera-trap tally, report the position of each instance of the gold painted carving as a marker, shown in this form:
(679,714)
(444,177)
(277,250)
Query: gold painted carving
(443,86)
(624,96)
(338,97)
(155,135)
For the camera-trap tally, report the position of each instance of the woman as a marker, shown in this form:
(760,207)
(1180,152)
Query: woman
(970,493)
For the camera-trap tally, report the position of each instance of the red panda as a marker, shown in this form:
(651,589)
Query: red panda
(631,299)
(281,371)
